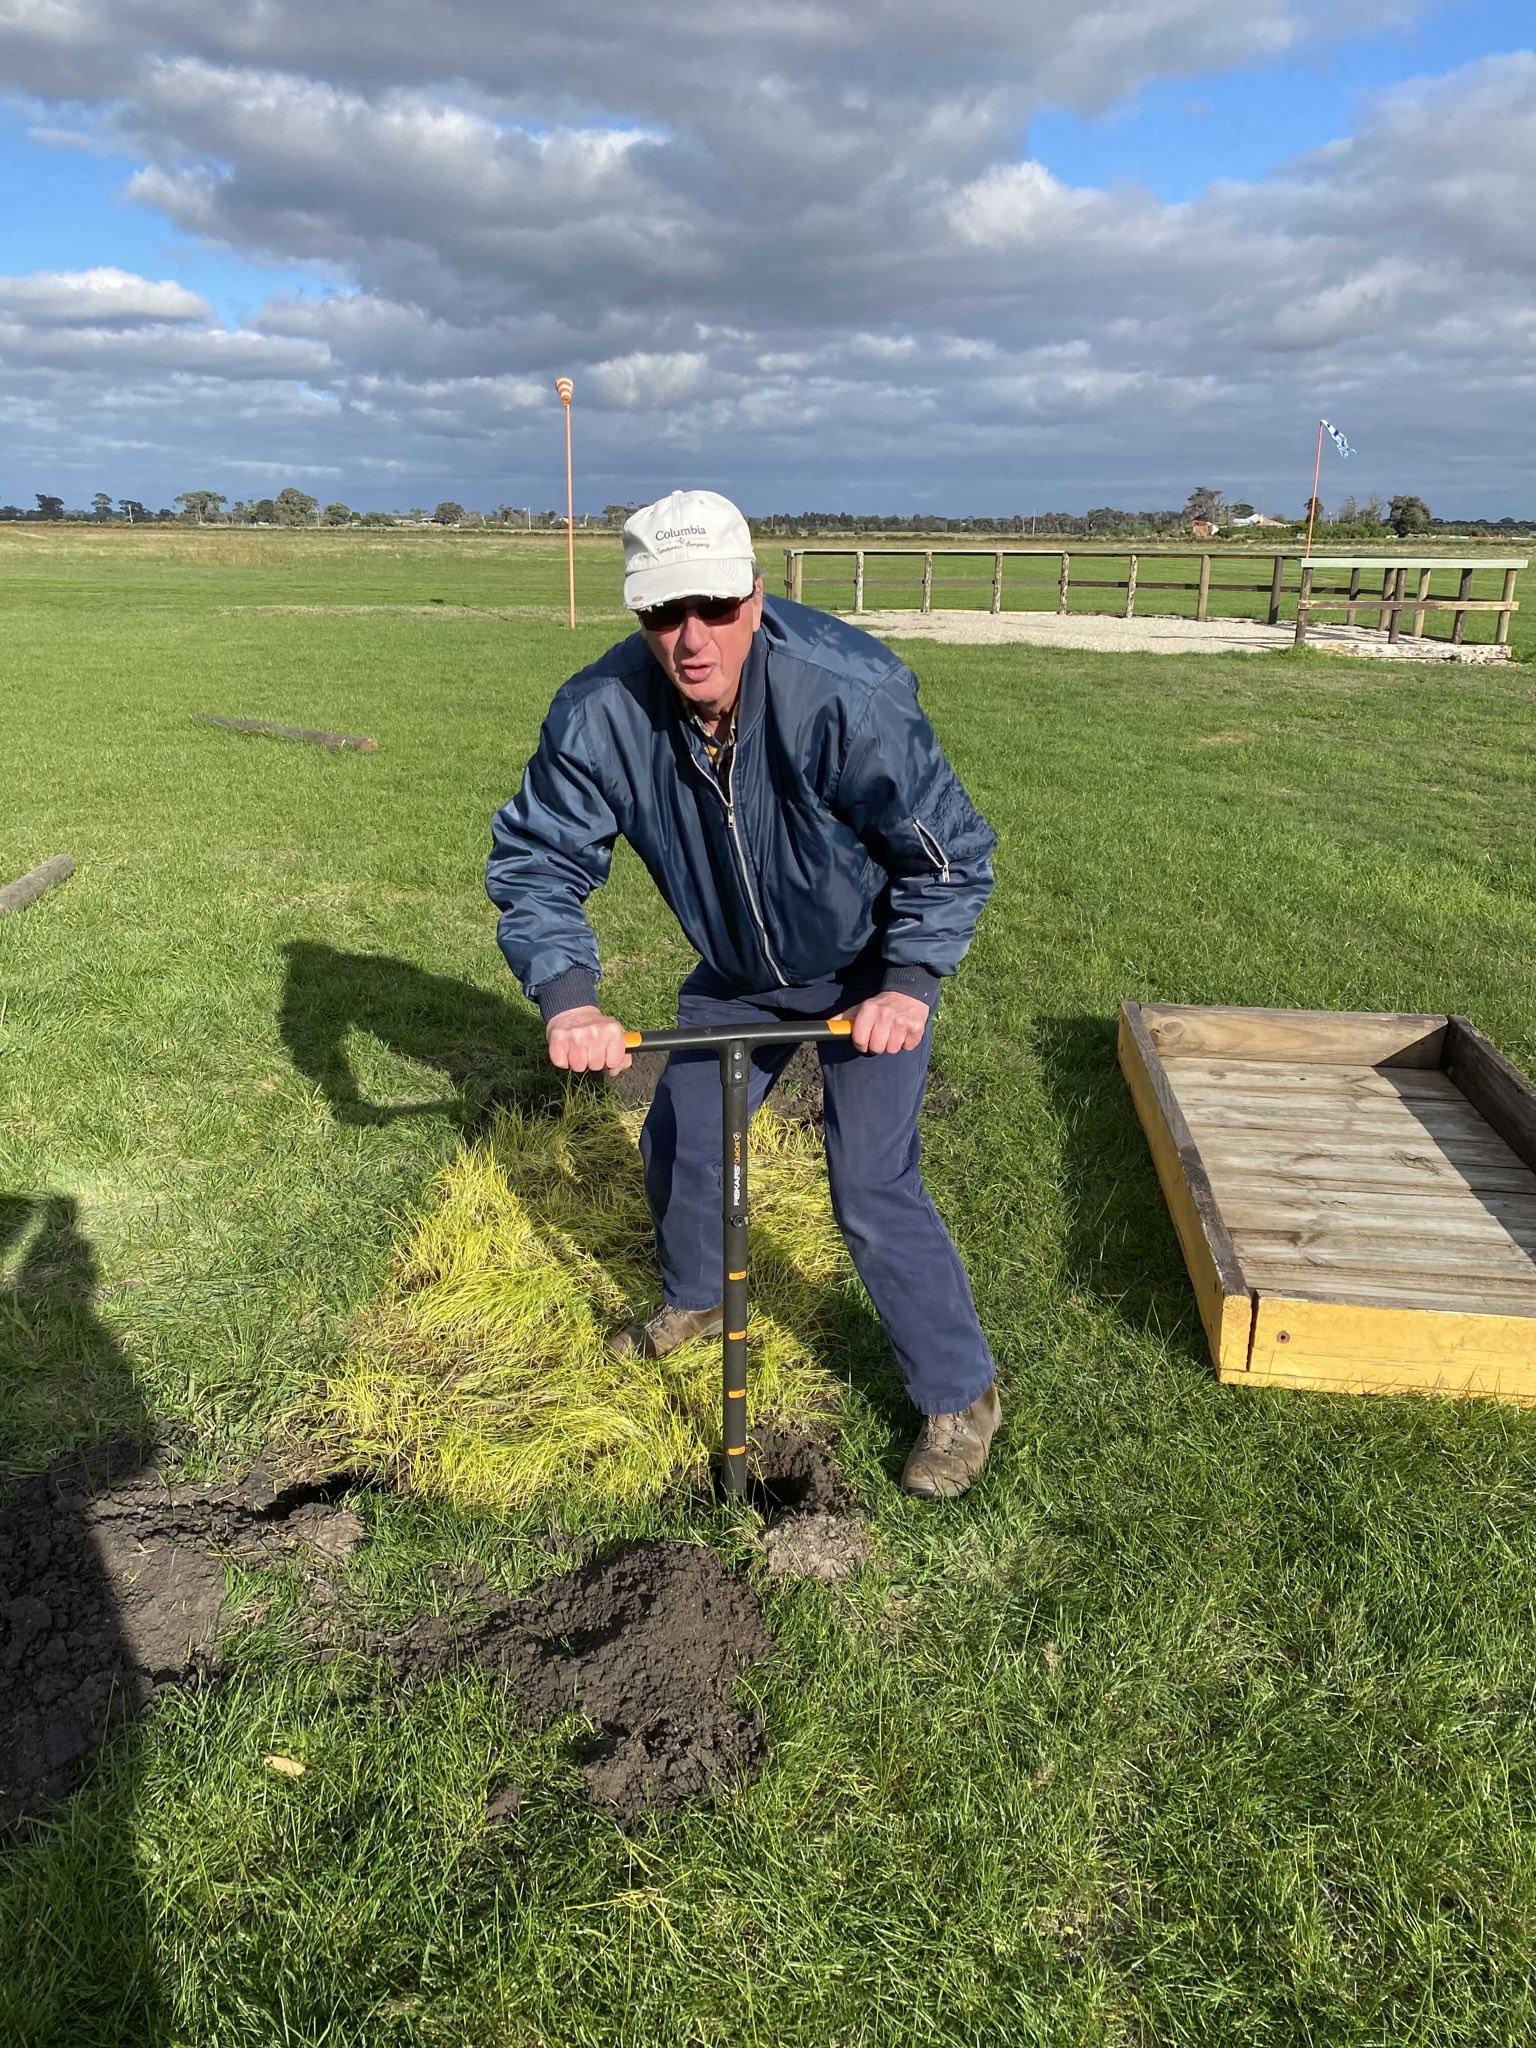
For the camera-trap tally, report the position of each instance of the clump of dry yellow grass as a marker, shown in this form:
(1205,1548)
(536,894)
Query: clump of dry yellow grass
(483,1378)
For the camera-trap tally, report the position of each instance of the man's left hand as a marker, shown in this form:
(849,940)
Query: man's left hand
(889,1022)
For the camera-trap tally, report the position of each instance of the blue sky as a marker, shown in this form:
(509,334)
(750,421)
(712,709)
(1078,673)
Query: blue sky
(863,257)
(1177,135)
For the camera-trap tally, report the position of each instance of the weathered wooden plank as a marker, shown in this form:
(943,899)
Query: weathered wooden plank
(1279,1110)
(35,882)
(1203,594)
(997,581)
(1320,1171)
(1493,1084)
(928,580)
(1303,605)
(1254,1208)
(333,740)
(1464,594)
(1360,1256)
(1221,1293)
(1507,605)
(1365,1038)
(1130,589)
(1065,582)
(1446,1124)
(1370,1348)
(1220,1142)
(1285,1077)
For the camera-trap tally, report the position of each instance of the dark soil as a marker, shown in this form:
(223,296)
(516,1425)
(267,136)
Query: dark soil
(645,1644)
(112,1586)
(792,1475)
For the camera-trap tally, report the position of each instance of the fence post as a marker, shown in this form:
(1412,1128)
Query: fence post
(1501,631)
(1354,592)
(858,579)
(789,572)
(1383,616)
(1130,590)
(1066,578)
(1303,604)
(1203,600)
(997,581)
(1459,623)
(1418,617)
(1395,628)
(928,580)
(1275,582)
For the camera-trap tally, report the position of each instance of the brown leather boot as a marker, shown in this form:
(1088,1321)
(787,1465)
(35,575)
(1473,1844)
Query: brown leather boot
(951,1449)
(668,1328)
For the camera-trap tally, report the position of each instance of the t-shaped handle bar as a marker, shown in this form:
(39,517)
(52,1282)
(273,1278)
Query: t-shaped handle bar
(735,1049)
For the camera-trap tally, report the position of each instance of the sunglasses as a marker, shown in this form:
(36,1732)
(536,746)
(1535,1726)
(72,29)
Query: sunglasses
(714,611)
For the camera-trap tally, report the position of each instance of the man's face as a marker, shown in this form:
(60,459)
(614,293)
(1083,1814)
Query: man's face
(703,661)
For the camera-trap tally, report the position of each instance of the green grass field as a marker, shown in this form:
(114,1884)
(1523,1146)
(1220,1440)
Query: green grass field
(1206,1719)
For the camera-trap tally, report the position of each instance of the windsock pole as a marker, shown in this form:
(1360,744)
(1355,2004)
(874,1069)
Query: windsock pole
(564,386)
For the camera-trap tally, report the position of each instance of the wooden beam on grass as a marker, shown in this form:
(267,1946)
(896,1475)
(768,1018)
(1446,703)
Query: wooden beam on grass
(333,740)
(36,882)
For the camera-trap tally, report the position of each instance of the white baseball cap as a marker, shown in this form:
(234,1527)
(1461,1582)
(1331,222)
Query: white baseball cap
(688,544)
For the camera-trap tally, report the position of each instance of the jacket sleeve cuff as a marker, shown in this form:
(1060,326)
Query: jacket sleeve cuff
(572,990)
(915,980)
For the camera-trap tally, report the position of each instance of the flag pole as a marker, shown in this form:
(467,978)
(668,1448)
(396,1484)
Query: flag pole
(564,387)
(1317,470)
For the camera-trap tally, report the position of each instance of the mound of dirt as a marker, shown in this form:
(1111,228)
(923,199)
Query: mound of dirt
(645,1644)
(109,1591)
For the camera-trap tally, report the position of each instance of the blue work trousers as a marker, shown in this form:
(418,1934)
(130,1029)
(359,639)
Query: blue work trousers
(899,1246)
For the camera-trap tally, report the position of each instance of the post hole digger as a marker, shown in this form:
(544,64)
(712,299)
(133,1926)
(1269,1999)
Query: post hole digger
(735,1049)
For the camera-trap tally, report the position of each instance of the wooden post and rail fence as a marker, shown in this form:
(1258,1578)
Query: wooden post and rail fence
(1310,596)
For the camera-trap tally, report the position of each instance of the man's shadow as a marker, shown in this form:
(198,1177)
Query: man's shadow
(1120,1246)
(66,1668)
(487,1049)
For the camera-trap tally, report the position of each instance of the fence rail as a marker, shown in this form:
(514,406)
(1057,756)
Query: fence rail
(1310,597)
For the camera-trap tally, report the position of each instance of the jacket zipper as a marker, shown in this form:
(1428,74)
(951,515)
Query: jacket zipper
(932,848)
(746,877)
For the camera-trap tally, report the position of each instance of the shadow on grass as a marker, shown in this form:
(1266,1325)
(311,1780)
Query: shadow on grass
(488,1049)
(1120,1247)
(75,1958)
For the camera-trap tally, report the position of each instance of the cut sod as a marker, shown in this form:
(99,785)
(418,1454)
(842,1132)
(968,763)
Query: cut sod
(483,1377)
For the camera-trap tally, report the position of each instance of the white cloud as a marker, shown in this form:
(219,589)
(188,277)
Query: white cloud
(98,297)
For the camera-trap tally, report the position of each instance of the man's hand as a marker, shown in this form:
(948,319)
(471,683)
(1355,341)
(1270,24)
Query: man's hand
(889,1022)
(585,1041)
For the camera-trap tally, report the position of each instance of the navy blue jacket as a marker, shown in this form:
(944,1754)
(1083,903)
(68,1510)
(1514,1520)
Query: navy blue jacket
(847,832)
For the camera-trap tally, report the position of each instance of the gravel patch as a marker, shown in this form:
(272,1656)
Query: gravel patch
(1157,636)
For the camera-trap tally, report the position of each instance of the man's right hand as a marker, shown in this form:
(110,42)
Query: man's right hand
(585,1041)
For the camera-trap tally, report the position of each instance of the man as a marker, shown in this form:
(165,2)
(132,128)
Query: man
(771,767)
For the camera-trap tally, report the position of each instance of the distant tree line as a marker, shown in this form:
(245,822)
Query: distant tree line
(1374,519)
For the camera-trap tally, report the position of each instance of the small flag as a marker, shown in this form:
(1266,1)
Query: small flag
(1338,439)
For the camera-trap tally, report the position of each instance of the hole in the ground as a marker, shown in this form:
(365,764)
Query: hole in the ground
(787,1475)
(328,1492)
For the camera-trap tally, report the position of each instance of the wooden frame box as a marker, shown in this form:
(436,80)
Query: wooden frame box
(1354,1192)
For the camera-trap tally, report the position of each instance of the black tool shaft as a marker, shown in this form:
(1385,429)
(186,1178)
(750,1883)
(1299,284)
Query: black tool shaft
(735,1064)
(735,1050)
